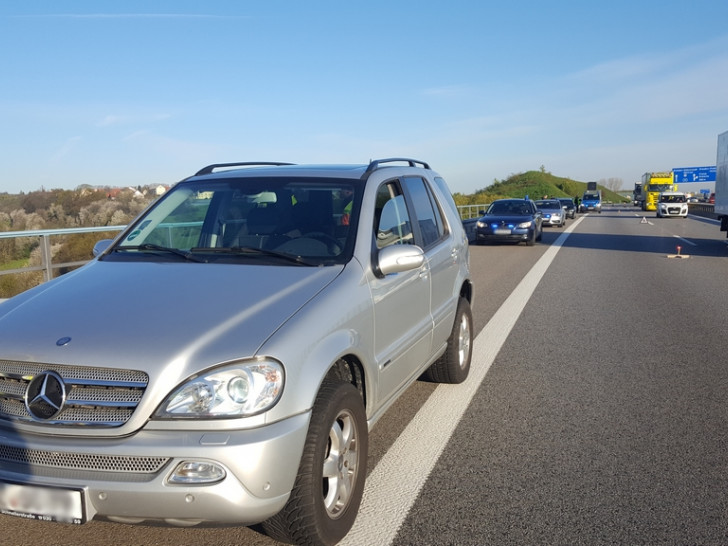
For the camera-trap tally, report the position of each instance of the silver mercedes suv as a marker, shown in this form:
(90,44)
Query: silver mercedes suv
(223,359)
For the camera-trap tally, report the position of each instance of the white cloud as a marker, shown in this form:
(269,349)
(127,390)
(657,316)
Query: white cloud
(665,86)
(66,148)
(130,16)
(109,120)
(137,118)
(448,91)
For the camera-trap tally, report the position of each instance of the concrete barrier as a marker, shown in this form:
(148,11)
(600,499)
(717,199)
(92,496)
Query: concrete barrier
(707,210)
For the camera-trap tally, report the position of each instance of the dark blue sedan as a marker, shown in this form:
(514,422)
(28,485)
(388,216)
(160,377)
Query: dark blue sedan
(510,220)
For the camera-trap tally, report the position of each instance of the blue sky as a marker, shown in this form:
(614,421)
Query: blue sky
(143,92)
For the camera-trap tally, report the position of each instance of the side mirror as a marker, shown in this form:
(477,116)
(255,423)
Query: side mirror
(399,258)
(101,246)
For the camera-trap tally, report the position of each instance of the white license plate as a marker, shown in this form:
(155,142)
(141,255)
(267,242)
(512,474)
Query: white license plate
(502,231)
(42,503)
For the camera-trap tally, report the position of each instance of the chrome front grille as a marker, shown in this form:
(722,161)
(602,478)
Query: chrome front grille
(99,397)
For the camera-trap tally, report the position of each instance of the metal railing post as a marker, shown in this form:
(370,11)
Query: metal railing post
(46,257)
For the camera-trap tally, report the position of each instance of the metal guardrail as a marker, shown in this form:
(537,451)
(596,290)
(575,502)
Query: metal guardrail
(468,212)
(47,265)
(702,209)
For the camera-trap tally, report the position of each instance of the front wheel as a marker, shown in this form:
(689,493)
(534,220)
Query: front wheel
(454,365)
(330,482)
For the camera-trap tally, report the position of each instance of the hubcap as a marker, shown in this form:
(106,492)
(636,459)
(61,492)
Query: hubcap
(340,465)
(463,341)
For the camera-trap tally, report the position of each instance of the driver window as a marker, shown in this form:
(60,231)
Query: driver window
(392,225)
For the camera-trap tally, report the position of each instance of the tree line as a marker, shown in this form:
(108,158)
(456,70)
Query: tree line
(56,209)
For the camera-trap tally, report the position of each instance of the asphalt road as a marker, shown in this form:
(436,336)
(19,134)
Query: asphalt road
(601,419)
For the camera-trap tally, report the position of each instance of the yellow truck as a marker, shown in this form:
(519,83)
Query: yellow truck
(653,184)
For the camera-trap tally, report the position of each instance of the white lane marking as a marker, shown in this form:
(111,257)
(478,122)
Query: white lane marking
(685,240)
(392,487)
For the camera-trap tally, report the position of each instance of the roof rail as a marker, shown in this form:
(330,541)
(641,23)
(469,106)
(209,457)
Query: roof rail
(211,168)
(376,163)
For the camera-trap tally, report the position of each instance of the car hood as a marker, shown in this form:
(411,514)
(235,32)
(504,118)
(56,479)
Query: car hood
(146,315)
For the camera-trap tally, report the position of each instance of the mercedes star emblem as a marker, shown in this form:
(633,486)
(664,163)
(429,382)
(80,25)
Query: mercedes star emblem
(45,395)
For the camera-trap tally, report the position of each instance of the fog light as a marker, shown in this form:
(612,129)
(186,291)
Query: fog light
(197,472)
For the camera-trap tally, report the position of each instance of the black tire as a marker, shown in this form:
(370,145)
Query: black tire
(540,234)
(454,365)
(322,508)
(532,239)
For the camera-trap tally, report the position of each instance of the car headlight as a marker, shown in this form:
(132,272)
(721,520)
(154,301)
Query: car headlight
(238,390)
(524,225)
(480,224)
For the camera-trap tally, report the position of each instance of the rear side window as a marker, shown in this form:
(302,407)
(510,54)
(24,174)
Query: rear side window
(442,186)
(429,218)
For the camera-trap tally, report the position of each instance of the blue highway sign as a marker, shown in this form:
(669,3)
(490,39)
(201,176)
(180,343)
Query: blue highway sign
(694,174)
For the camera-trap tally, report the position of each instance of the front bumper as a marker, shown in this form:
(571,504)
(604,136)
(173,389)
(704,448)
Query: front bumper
(673,211)
(553,221)
(514,235)
(260,467)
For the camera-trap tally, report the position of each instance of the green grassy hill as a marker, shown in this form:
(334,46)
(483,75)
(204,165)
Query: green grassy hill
(535,184)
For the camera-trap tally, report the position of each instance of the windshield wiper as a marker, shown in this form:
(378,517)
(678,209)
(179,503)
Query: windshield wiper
(253,250)
(187,255)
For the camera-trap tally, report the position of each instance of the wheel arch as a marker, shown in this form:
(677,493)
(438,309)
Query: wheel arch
(466,290)
(349,369)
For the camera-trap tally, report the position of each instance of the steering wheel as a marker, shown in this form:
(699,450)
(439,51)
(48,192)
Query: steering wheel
(332,244)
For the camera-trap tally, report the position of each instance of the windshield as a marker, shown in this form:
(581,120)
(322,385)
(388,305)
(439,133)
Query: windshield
(591,197)
(515,208)
(250,218)
(660,187)
(673,199)
(548,204)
